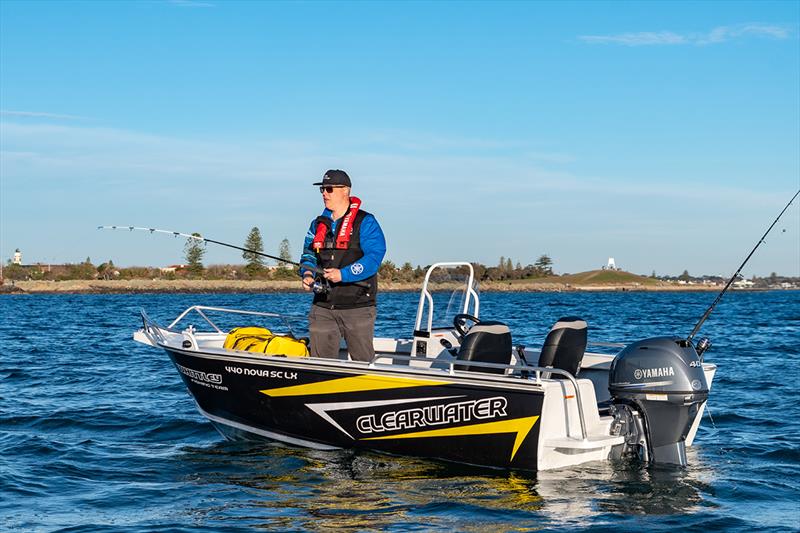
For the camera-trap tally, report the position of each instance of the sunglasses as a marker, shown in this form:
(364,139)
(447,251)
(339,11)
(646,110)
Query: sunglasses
(329,188)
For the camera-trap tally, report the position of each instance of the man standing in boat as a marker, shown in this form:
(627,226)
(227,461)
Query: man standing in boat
(348,244)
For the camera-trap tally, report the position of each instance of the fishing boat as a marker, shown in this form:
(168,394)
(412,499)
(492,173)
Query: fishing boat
(457,392)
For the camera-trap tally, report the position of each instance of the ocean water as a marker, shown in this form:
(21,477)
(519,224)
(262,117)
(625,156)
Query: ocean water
(98,433)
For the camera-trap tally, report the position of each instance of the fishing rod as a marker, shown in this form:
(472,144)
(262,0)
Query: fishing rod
(204,239)
(761,241)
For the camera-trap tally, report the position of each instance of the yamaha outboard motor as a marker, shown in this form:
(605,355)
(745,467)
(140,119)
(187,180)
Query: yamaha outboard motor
(657,387)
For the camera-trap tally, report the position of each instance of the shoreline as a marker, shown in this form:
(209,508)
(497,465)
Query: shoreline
(137,286)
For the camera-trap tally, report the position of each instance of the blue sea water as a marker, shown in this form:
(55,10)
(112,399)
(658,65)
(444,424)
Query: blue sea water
(98,433)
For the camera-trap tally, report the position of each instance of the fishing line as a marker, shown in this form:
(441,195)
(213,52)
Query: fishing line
(736,274)
(321,284)
(206,240)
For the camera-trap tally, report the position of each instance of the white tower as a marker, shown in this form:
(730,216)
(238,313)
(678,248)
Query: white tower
(611,265)
(17,257)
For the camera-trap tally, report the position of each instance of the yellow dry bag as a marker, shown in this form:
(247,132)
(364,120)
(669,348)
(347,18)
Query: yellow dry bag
(262,340)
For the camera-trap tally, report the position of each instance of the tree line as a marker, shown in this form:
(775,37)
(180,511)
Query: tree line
(504,270)
(255,267)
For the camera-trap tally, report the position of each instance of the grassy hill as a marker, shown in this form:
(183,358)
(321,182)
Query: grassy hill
(600,277)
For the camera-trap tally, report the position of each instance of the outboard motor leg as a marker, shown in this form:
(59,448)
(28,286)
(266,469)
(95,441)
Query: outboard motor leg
(673,419)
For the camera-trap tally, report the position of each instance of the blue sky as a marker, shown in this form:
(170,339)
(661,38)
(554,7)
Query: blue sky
(666,135)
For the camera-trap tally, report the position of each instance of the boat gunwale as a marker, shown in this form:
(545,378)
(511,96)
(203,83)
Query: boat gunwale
(347,367)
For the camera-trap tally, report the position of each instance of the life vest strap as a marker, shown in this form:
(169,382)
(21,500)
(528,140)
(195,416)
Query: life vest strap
(323,225)
(345,228)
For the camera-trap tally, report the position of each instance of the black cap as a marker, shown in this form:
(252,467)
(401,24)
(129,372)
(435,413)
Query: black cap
(335,177)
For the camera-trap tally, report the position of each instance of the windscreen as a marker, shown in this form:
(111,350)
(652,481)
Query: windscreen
(448,287)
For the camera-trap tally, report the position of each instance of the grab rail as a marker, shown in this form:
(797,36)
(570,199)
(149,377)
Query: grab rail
(152,330)
(425,295)
(200,308)
(538,370)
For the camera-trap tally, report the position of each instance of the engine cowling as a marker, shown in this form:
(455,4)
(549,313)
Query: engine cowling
(663,379)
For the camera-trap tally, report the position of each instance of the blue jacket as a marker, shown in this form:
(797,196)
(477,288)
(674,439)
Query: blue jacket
(372,242)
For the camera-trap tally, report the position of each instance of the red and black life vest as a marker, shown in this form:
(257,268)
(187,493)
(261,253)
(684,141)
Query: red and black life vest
(344,248)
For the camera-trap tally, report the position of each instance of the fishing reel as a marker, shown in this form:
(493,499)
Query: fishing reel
(321,286)
(702,345)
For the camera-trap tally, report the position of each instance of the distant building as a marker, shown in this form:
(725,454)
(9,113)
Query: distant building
(743,284)
(17,259)
(611,265)
(171,268)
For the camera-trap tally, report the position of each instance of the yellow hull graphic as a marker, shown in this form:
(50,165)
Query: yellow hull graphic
(351,384)
(520,426)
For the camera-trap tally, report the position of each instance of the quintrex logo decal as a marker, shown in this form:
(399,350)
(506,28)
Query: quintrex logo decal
(485,416)
(202,378)
(433,415)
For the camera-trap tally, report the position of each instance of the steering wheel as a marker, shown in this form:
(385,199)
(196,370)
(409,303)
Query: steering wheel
(460,321)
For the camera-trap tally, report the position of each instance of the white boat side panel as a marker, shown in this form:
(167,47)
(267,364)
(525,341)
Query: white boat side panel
(382,344)
(709,369)
(599,361)
(209,340)
(560,440)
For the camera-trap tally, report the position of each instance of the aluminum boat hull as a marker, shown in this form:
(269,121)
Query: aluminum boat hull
(332,404)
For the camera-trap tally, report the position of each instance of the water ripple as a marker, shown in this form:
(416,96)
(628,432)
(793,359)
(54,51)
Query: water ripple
(99,434)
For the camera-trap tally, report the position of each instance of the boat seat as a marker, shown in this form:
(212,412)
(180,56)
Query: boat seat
(486,342)
(564,346)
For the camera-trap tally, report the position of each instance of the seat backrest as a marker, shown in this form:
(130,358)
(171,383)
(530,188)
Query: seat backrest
(486,342)
(564,346)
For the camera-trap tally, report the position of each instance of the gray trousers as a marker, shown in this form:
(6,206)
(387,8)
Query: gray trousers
(327,327)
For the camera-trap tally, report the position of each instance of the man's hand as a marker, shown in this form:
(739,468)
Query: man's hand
(333,275)
(308,282)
